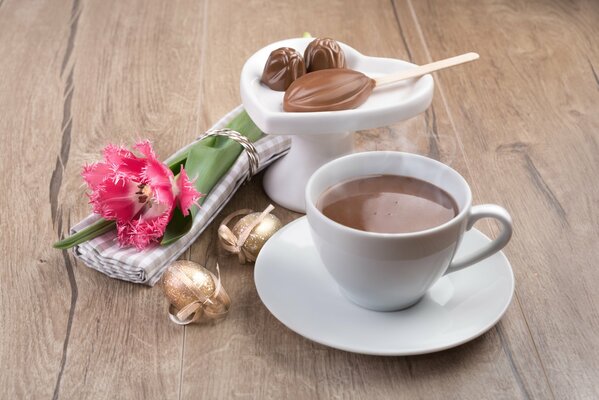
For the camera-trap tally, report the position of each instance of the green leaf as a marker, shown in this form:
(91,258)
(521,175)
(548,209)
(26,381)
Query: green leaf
(207,162)
(182,224)
(176,163)
(96,229)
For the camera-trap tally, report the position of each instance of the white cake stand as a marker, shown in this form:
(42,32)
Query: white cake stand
(318,137)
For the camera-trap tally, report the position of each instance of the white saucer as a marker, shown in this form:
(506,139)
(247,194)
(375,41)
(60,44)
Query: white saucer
(296,288)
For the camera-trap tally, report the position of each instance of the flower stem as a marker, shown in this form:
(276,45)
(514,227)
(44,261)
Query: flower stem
(96,229)
(206,161)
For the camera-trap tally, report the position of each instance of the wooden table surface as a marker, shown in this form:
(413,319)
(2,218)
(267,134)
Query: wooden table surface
(521,124)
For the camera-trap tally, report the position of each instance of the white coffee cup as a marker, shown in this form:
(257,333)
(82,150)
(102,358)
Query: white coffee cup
(391,271)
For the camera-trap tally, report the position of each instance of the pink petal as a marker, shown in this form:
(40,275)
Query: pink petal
(144,231)
(113,154)
(118,193)
(188,195)
(159,177)
(116,200)
(124,163)
(94,174)
(155,211)
(145,148)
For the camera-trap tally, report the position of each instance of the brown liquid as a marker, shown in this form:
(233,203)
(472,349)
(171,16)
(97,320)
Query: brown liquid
(388,204)
(328,90)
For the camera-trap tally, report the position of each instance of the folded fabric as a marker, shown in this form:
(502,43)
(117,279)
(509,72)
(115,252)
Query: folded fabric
(104,254)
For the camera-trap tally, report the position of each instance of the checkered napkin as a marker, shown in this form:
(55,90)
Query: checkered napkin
(104,254)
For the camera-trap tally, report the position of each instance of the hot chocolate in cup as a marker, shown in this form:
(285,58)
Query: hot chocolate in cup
(387,271)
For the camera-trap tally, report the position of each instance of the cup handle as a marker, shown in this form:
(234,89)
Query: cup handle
(476,213)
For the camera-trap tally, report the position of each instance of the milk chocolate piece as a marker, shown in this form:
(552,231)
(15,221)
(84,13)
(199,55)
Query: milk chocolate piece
(328,90)
(284,65)
(323,54)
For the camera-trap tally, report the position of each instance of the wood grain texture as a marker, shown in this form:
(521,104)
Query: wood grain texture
(520,124)
(35,298)
(140,78)
(75,76)
(530,142)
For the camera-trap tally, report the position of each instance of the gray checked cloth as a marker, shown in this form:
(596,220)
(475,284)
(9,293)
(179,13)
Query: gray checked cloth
(104,254)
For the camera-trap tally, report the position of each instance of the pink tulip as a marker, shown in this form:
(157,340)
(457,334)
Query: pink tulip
(139,193)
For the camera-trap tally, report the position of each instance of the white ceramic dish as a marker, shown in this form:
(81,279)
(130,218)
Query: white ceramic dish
(298,291)
(319,137)
(384,107)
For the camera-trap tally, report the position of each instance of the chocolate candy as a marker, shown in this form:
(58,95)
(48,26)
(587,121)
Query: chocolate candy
(323,53)
(284,65)
(328,90)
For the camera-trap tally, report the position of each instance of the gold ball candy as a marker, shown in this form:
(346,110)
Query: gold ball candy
(185,282)
(261,232)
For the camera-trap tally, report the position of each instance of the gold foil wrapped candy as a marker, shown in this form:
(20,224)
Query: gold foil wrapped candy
(195,294)
(249,233)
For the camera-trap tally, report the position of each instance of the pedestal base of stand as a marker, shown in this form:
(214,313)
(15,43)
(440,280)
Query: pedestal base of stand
(285,180)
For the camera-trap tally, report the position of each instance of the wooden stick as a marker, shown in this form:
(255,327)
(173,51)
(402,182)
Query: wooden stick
(426,69)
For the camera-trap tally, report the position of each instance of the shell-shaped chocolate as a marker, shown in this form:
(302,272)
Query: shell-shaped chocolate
(323,53)
(284,65)
(328,90)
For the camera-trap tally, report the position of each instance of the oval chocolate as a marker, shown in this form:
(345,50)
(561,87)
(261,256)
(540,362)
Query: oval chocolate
(328,90)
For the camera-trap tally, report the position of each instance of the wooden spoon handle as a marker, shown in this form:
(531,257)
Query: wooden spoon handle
(426,69)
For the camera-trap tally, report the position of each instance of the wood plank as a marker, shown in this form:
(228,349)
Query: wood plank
(74,77)
(512,334)
(136,75)
(526,117)
(251,354)
(35,295)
